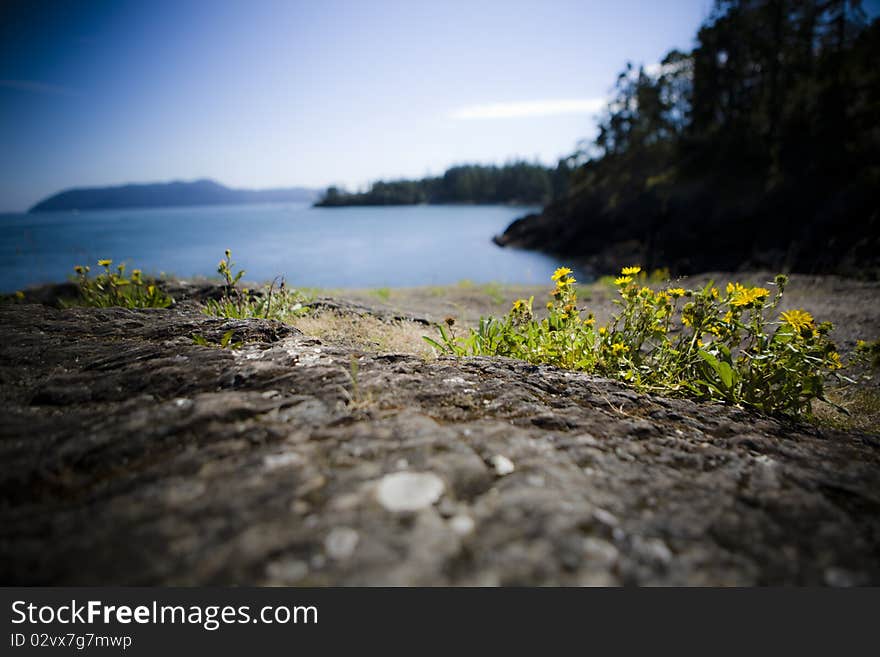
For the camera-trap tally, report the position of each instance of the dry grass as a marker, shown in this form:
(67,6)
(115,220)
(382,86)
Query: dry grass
(863,404)
(366,333)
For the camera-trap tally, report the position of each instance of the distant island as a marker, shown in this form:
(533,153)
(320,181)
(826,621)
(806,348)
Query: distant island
(515,183)
(157,195)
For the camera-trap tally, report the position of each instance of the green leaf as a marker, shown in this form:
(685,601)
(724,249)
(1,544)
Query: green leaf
(722,369)
(439,347)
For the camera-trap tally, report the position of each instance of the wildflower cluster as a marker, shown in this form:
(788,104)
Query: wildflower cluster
(111,287)
(274,301)
(703,343)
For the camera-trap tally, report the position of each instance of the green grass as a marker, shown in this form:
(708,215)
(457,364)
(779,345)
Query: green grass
(382,293)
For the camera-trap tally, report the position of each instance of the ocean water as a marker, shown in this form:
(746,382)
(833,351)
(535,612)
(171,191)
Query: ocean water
(311,247)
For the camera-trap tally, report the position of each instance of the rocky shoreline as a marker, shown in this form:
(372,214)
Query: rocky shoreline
(133,456)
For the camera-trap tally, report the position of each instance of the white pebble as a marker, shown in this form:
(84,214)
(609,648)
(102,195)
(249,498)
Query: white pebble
(341,542)
(462,524)
(409,491)
(282,460)
(503,465)
(287,571)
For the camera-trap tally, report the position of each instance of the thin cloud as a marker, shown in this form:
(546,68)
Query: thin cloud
(34,86)
(529,109)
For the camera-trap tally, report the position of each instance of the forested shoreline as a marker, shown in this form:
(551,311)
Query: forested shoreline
(757,149)
(514,183)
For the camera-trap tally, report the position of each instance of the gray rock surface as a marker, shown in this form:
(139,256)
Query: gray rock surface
(133,456)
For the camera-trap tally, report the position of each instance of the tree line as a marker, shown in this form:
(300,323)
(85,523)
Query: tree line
(760,148)
(517,183)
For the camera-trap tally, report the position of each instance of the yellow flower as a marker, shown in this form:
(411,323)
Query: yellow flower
(563,283)
(589,321)
(623,280)
(618,348)
(714,292)
(675,292)
(834,361)
(105,263)
(797,319)
(603,330)
(728,317)
(549,305)
(630,271)
(746,296)
(519,303)
(559,273)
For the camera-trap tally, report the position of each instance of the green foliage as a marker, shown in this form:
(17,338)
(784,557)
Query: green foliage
(274,301)
(112,288)
(224,343)
(776,87)
(519,182)
(697,343)
(759,145)
(869,352)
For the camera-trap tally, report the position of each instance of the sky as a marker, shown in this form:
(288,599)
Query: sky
(263,93)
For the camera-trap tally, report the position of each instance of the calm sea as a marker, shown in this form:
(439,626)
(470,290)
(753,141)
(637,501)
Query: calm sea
(311,247)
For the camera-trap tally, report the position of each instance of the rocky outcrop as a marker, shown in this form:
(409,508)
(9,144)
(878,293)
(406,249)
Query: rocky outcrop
(133,456)
(805,227)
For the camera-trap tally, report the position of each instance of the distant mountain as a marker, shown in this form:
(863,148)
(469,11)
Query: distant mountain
(155,195)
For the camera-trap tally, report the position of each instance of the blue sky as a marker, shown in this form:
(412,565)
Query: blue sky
(263,94)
